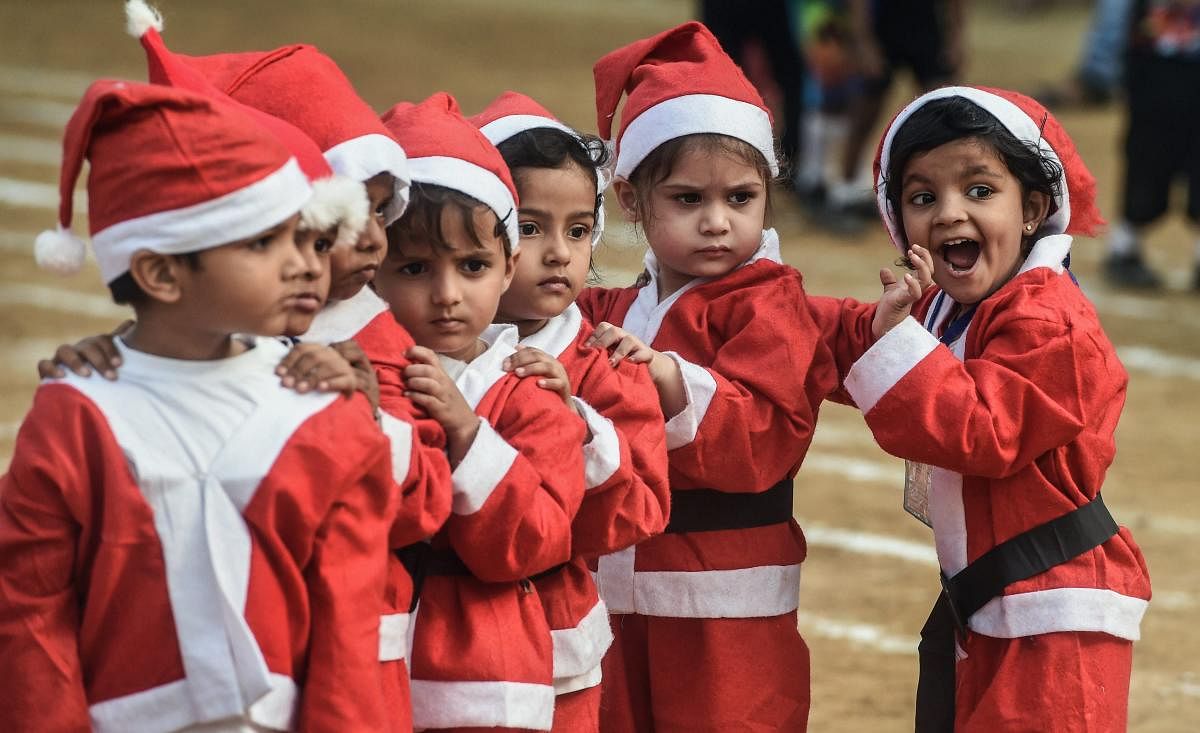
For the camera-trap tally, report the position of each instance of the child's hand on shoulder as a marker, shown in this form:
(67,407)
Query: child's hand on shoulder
(531,362)
(621,344)
(431,388)
(899,295)
(309,367)
(94,352)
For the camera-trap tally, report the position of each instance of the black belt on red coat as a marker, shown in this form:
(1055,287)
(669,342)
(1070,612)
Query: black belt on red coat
(706,510)
(1030,553)
(422,560)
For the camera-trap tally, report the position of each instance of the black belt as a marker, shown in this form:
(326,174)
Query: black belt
(1028,554)
(421,560)
(705,510)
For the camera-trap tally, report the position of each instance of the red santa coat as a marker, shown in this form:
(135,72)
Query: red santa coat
(755,371)
(193,543)
(481,652)
(1020,431)
(627,500)
(419,466)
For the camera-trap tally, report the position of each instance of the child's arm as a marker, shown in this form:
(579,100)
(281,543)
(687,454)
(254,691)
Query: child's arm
(341,367)
(345,577)
(94,352)
(989,416)
(43,686)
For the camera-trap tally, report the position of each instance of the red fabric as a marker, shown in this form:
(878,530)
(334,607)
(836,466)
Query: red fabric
(684,60)
(744,674)
(507,104)
(1028,420)
(577,712)
(83,581)
(490,626)
(1068,682)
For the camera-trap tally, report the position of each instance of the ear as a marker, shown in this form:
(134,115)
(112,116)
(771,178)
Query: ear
(1034,211)
(626,197)
(158,275)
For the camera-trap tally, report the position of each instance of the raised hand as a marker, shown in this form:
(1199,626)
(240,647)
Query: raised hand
(899,295)
(430,388)
(621,344)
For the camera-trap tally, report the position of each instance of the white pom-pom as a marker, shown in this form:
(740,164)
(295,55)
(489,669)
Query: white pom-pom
(60,251)
(140,17)
(339,202)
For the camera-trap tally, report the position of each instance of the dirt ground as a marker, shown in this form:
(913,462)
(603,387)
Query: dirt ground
(870,576)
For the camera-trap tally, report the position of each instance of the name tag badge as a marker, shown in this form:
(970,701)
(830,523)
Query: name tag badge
(918,479)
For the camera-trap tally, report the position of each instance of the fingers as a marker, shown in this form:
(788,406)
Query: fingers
(556,385)
(101,353)
(923,262)
(421,386)
(525,356)
(886,278)
(48,369)
(289,359)
(914,288)
(421,355)
(70,358)
(605,335)
(351,352)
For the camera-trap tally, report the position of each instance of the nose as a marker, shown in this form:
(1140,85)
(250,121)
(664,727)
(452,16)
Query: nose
(373,238)
(949,210)
(557,251)
(314,264)
(446,289)
(714,219)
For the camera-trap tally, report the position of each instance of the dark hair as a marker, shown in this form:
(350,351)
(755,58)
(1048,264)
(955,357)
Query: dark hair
(126,291)
(550,147)
(945,120)
(422,220)
(658,165)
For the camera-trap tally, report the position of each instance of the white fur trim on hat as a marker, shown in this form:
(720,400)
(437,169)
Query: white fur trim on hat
(339,202)
(60,251)
(1014,119)
(473,180)
(364,157)
(229,218)
(690,115)
(141,17)
(499,130)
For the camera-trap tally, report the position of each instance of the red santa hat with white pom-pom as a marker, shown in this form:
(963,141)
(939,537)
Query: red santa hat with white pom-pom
(303,86)
(1075,210)
(172,172)
(679,82)
(513,113)
(446,150)
(337,201)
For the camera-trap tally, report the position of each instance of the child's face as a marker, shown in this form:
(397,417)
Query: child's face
(446,296)
(314,247)
(257,285)
(354,265)
(706,217)
(556,218)
(961,202)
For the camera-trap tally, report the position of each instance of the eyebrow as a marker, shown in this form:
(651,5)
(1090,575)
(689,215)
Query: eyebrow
(546,214)
(972,172)
(747,183)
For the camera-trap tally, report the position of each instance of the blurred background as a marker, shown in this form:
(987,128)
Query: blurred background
(834,71)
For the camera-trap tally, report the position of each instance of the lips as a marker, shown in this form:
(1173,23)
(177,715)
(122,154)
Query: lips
(366,274)
(304,303)
(447,324)
(556,284)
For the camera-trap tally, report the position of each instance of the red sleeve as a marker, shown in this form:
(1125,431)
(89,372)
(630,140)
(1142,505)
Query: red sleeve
(1023,395)
(343,689)
(845,326)
(519,487)
(771,370)
(43,686)
(634,501)
(602,304)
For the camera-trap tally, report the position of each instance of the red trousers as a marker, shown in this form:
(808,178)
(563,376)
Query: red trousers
(577,712)
(1067,682)
(695,675)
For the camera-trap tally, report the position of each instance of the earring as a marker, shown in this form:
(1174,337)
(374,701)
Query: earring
(1029,227)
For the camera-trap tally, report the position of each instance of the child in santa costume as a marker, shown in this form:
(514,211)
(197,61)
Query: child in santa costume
(705,615)
(229,531)
(1003,393)
(560,177)
(481,654)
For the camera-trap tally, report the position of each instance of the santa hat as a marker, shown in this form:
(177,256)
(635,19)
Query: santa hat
(1029,122)
(172,171)
(679,82)
(446,150)
(305,87)
(337,201)
(513,113)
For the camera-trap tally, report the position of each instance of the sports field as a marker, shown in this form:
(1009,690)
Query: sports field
(871,574)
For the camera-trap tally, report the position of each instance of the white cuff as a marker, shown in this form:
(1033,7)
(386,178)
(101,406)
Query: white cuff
(887,361)
(602,454)
(699,388)
(481,469)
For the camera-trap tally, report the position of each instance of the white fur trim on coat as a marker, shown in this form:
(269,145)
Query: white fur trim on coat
(895,354)
(393,636)
(699,387)
(580,650)
(456,704)
(1061,609)
(481,469)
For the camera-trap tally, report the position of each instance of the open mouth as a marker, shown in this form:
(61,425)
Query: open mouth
(960,254)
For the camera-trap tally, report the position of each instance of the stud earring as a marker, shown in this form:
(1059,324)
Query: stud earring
(1029,227)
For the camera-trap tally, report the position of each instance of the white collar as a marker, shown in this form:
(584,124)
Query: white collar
(558,333)
(476,377)
(342,319)
(1049,251)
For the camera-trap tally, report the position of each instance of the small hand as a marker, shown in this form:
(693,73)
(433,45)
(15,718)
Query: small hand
(430,388)
(98,352)
(364,372)
(531,362)
(621,344)
(899,295)
(317,367)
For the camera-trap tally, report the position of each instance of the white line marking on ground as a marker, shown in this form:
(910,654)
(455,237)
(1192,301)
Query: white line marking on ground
(31,194)
(26,149)
(16,241)
(868,543)
(855,469)
(43,82)
(1158,363)
(36,112)
(8,430)
(64,301)
(858,633)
